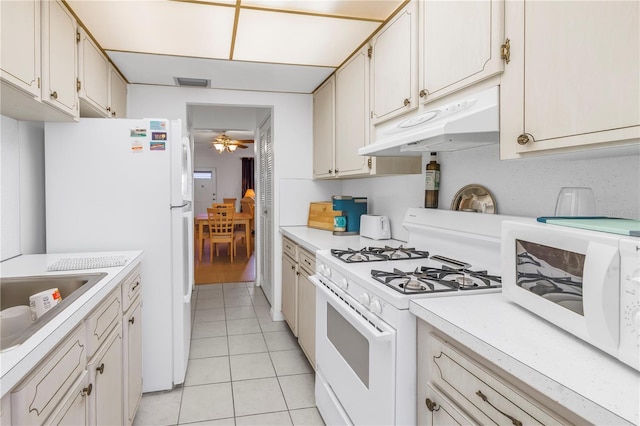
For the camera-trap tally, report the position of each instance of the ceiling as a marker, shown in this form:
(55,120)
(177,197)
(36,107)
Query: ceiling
(259,45)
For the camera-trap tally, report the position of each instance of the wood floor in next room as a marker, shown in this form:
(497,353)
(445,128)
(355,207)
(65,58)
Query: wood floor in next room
(222,270)
(244,368)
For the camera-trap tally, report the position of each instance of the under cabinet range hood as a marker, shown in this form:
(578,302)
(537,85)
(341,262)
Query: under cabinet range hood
(466,123)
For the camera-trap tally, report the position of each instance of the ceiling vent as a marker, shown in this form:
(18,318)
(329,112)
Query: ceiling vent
(191,82)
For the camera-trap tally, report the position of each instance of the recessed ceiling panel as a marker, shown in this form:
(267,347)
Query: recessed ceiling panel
(364,9)
(161,70)
(161,27)
(287,38)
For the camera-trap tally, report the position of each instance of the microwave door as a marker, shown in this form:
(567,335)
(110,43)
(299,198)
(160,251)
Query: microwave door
(601,293)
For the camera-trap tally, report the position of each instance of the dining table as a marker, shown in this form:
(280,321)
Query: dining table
(239,218)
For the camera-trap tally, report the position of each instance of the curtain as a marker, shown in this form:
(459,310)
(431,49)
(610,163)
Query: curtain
(247,175)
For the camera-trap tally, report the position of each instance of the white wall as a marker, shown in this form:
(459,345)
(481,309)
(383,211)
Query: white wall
(22,227)
(524,187)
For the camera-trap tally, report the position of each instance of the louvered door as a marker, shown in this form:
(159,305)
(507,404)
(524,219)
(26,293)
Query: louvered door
(266,203)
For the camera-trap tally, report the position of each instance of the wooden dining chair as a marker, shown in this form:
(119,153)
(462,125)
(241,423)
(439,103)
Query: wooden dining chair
(220,220)
(231,201)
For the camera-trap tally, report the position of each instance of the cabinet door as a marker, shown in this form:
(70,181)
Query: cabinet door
(581,85)
(352,115)
(289,292)
(93,76)
(118,94)
(20,44)
(59,58)
(106,372)
(73,410)
(324,129)
(132,326)
(394,66)
(459,45)
(307,317)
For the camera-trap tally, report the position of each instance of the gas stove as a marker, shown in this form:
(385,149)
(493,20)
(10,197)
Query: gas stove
(365,333)
(393,282)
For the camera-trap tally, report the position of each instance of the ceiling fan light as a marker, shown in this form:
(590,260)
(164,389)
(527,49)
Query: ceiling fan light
(231,148)
(218,146)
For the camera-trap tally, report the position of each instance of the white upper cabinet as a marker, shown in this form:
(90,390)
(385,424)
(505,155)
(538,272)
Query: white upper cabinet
(39,63)
(573,81)
(394,69)
(117,94)
(324,129)
(460,44)
(352,109)
(59,58)
(20,45)
(93,78)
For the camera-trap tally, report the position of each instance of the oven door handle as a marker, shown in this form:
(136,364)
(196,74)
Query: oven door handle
(381,333)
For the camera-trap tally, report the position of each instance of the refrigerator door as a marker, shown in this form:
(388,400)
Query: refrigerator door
(182,245)
(109,188)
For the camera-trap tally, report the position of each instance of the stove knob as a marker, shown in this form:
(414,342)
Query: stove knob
(322,269)
(327,271)
(365,299)
(376,307)
(343,284)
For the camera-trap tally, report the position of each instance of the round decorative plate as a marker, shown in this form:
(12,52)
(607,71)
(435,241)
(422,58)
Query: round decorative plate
(474,198)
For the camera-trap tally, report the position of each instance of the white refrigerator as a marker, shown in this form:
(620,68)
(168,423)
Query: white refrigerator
(123,184)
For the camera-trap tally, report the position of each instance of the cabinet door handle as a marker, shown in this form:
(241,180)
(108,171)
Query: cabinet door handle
(514,421)
(505,51)
(108,109)
(297,272)
(431,406)
(87,391)
(423,93)
(406,102)
(525,138)
(132,320)
(101,368)
(293,267)
(135,286)
(54,94)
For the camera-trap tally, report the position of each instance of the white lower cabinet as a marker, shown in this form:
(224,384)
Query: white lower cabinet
(94,376)
(299,296)
(40,394)
(105,373)
(290,292)
(307,306)
(132,356)
(455,389)
(73,410)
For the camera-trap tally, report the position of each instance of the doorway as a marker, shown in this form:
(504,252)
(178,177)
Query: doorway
(204,190)
(221,177)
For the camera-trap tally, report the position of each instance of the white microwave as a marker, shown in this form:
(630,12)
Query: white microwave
(586,282)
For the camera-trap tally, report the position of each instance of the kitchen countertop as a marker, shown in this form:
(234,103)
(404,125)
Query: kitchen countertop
(578,376)
(317,239)
(16,363)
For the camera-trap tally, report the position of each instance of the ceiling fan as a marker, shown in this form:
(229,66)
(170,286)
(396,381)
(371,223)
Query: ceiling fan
(223,143)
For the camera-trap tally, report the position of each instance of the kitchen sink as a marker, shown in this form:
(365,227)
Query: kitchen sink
(16,291)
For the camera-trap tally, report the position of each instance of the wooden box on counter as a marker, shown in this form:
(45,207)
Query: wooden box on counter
(321,215)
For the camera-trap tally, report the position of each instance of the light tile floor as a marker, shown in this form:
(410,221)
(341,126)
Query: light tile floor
(244,368)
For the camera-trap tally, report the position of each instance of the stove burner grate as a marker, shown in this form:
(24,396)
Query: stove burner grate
(432,280)
(375,254)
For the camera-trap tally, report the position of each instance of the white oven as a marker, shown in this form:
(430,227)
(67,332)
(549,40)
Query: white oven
(356,352)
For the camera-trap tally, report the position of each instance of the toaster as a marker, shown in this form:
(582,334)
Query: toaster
(375,227)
